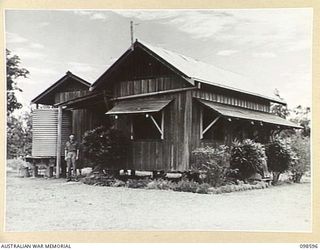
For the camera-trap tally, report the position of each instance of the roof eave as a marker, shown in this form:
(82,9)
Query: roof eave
(58,83)
(287,125)
(239,90)
(48,90)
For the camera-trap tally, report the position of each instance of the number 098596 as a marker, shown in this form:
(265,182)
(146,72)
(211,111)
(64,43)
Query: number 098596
(309,246)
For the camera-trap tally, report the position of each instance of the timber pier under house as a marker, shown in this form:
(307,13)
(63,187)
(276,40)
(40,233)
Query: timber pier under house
(166,103)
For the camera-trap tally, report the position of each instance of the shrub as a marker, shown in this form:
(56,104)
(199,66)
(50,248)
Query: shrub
(140,183)
(248,157)
(102,145)
(186,186)
(160,184)
(203,188)
(181,186)
(301,146)
(15,164)
(280,156)
(118,183)
(19,166)
(237,188)
(98,179)
(211,163)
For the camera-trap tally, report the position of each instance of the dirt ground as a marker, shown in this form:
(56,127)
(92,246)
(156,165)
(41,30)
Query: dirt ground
(36,204)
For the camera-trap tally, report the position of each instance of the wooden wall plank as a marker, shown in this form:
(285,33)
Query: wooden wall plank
(233,100)
(68,95)
(149,85)
(171,153)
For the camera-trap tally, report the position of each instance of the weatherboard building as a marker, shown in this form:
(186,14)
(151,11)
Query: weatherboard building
(167,104)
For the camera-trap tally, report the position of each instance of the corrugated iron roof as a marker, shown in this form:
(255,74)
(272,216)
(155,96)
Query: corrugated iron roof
(247,114)
(207,73)
(192,70)
(138,106)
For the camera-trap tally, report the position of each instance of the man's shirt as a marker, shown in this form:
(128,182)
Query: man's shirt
(72,146)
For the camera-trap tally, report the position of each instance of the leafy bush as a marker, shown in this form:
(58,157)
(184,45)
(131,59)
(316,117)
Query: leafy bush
(98,180)
(211,163)
(301,146)
(237,188)
(186,186)
(19,166)
(160,184)
(248,157)
(118,183)
(181,186)
(140,183)
(280,156)
(105,146)
(203,188)
(232,175)
(15,164)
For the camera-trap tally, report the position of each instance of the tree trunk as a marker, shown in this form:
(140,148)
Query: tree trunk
(276,176)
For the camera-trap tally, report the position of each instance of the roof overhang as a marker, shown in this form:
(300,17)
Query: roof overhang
(275,100)
(40,98)
(138,106)
(247,114)
(176,67)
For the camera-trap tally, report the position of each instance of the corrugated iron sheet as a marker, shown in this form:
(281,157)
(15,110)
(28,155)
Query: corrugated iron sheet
(236,112)
(138,106)
(208,73)
(44,135)
(45,131)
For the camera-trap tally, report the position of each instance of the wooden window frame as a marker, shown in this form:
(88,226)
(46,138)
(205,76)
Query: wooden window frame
(160,127)
(204,130)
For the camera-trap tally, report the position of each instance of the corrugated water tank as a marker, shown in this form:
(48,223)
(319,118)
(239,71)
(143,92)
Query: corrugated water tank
(45,131)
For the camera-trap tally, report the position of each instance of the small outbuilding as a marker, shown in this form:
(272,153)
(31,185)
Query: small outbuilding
(53,123)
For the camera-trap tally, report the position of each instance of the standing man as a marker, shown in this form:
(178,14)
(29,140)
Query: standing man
(71,153)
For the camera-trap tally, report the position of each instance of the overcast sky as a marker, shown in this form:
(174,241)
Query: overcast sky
(270,46)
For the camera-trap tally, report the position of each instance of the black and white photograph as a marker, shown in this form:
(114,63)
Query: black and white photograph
(158,120)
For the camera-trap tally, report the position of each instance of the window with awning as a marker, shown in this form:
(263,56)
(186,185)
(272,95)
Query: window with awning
(232,112)
(146,117)
(247,114)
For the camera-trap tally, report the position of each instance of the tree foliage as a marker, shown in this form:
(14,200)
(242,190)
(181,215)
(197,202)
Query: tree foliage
(19,127)
(279,109)
(19,135)
(14,71)
(280,156)
(105,147)
(301,146)
(301,115)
